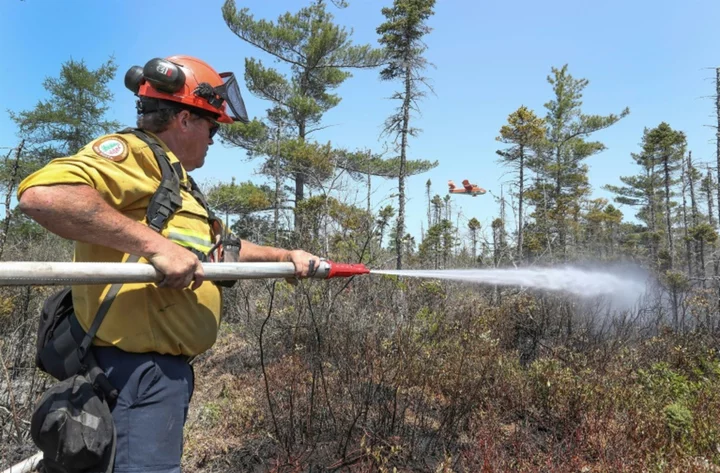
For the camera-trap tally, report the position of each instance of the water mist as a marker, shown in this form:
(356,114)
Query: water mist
(622,286)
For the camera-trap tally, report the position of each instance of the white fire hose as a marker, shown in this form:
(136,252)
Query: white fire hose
(64,274)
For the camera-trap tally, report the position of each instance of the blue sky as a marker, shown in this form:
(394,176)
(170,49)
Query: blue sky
(655,57)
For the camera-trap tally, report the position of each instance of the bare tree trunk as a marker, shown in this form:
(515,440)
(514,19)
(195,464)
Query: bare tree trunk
(560,213)
(670,242)
(709,195)
(473,236)
(521,188)
(688,244)
(698,247)
(668,215)
(401,178)
(707,188)
(717,179)
(276,171)
(9,194)
(427,185)
(653,217)
(717,134)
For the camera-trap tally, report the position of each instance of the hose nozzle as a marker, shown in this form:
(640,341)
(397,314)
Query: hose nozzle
(327,269)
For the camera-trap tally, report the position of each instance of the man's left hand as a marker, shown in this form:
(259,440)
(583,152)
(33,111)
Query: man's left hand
(301,259)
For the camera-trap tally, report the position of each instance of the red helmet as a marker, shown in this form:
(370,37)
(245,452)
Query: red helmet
(190,82)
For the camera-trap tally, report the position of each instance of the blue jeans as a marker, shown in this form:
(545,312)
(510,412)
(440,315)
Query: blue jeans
(151,409)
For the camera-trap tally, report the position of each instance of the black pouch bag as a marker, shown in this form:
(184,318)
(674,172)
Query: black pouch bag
(63,346)
(58,338)
(73,427)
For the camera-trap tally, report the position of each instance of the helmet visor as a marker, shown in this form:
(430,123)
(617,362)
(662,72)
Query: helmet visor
(230,92)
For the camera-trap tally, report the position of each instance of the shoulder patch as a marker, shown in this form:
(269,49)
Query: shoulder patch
(113,148)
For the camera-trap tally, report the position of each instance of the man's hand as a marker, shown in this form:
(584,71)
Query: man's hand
(180,267)
(301,259)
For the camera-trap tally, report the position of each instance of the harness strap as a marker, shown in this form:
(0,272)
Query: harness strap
(167,199)
(102,311)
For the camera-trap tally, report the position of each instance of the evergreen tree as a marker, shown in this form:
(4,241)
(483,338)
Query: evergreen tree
(525,132)
(359,164)
(602,222)
(319,54)
(663,151)
(438,244)
(73,114)
(402,36)
(562,168)
(243,199)
(474,227)
(437,205)
(383,220)
(668,149)
(644,191)
(499,240)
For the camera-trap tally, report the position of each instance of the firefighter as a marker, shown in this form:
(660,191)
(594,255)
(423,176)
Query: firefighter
(107,199)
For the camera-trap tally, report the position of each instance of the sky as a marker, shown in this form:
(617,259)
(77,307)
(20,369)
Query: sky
(489,58)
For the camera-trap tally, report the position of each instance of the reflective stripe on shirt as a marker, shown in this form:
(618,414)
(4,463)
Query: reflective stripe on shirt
(190,238)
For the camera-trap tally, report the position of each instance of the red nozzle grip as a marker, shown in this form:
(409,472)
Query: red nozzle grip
(345,270)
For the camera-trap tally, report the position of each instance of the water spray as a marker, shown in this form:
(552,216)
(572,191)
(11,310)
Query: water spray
(568,279)
(623,287)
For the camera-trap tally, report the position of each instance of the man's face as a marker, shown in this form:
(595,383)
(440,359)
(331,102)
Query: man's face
(197,136)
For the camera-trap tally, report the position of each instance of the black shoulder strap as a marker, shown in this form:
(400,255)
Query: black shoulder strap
(167,199)
(102,311)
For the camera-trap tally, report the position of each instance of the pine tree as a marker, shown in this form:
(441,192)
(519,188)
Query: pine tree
(693,176)
(525,132)
(243,199)
(668,148)
(437,205)
(438,244)
(319,54)
(499,242)
(650,190)
(474,227)
(601,228)
(73,114)
(383,220)
(402,36)
(565,150)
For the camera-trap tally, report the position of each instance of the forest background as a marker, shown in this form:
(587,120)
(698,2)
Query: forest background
(594,130)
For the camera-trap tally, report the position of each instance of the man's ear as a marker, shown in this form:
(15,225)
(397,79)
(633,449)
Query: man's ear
(183,119)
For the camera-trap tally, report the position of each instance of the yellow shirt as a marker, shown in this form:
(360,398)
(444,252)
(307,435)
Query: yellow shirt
(143,317)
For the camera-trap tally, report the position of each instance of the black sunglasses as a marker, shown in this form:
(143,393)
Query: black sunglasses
(214,126)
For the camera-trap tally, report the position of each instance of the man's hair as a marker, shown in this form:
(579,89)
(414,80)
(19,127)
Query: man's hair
(157,121)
